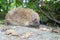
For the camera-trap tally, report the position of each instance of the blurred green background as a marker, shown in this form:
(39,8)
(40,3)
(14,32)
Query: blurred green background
(49,10)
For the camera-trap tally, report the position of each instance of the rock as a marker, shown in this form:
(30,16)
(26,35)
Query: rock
(33,34)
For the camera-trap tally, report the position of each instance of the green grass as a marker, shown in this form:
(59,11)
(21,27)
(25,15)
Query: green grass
(2,21)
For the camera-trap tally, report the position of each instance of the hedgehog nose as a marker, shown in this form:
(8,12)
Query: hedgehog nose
(36,22)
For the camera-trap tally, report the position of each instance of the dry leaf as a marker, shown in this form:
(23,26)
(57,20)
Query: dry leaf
(12,32)
(26,35)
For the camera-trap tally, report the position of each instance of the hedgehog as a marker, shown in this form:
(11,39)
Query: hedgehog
(22,17)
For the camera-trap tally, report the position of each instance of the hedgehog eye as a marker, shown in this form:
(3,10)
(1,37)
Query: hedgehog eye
(33,15)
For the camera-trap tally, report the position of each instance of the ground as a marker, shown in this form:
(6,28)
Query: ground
(35,34)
